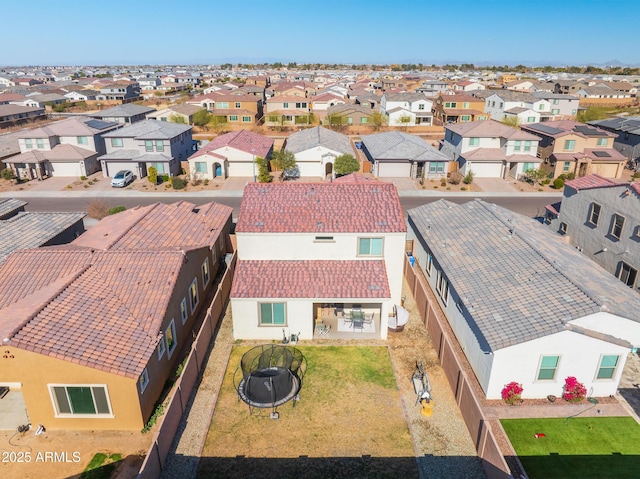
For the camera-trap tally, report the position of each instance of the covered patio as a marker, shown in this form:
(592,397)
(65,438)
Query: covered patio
(348,321)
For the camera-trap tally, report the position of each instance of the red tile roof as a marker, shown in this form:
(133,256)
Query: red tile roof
(243,140)
(310,279)
(635,186)
(106,314)
(178,225)
(590,181)
(320,208)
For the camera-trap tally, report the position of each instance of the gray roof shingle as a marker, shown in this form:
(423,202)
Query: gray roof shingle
(395,145)
(318,136)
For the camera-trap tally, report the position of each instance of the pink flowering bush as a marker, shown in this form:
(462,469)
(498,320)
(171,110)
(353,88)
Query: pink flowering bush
(574,391)
(511,393)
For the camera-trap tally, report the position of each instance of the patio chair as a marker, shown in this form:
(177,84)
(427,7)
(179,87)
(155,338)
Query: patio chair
(347,317)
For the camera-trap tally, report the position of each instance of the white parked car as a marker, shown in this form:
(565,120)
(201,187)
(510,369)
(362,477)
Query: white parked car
(122,178)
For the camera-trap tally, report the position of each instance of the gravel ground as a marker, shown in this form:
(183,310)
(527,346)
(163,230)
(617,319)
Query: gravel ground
(442,445)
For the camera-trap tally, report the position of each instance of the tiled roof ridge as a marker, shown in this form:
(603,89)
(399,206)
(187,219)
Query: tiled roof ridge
(540,253)
(126,231)
(49,299)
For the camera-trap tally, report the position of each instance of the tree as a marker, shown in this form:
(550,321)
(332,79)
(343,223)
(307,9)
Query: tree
(536,175)
(345,164)
(152,173)
(201,118)
(512,121)
(175,118)
(284,160)
(404,121)
(7,174)
(263,170)
(378,120)
(335,122)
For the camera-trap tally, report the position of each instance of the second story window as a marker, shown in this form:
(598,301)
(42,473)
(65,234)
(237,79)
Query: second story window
(148,145)
(602,142)
(82,140)
(474,141)
(159,145)
(594,214)
(617,225)
(421,106)
(370,246)
(516,145)
(40,143)
(527,145)
(569,145)
(28,143)
(116,142)
(238,104)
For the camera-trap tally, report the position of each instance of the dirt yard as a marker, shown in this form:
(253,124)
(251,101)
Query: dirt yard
(61,454)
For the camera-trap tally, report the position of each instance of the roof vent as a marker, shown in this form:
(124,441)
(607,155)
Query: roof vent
(374,287)
(258,223)
(497,317)
(382,223)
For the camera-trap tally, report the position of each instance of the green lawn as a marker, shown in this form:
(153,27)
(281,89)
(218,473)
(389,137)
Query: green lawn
(588,447)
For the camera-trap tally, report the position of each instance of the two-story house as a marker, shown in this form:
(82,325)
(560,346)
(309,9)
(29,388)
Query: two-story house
(287,110)
(523,304)
(601,218)
(90,341)
(520,107)
(120,92)
(490,149)
(323,101)
(571,147)
(146,143)
(406,109)
(234,108)
(69,147)
(231,155)
(125,114)
(310,253)
(458,108)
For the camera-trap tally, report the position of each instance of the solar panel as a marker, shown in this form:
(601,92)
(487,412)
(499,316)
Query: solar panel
(545,129)
(588,130)
(98,124)
(602,154)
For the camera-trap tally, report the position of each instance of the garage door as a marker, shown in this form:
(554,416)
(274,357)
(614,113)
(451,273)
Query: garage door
(486,170)
(112,167)
(71,168)
(394,170)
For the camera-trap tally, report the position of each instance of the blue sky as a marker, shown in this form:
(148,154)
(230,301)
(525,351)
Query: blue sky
(70,32)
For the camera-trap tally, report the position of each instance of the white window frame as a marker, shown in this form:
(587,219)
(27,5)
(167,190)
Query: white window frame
(615,368)
(555,370)
(184,312)
(191,303)
(474,141)
(429,265)
(272,323)
(172,328)
(630,268)
(79,416)
(360,253)
(592,211)
(613,225)
(602,142)
(442,287)
(143,380)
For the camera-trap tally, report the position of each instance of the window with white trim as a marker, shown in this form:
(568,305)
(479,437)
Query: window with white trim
(143,380)
(594,214)
(116,142)
(193,295)
(627,274)
(370,246)
(602,142)
(474,141)
(171,339)
(548,367)
(442,287)
(272,314)
(617,225)
(184,314)
(80,400)
(607,367)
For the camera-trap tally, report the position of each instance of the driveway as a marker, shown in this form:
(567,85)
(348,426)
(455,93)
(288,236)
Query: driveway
(495,185)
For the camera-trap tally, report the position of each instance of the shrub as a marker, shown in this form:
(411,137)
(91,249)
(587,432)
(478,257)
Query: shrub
(153,175)
(154,418)
(468,178)
(463,188)
(164,178)
(571,176)
(558,183)
(97,209)
(574,391)
(7,174)
(546,181)
(455,178)
(178,183)
(82,178)
(635,175)
(512,393)
(443,182)
(116,209)
(206,181)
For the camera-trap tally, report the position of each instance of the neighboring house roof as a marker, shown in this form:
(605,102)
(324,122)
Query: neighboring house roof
(9,144)
(406,96)
(127,110)
(243,140)
(17,109)
(60,153)
(10,205)
(318,279)
(183,109)
(490,129)
(30,230)
(590,182)
(628,124)
(556,129)
(516,280)
(149,130)
(347,108)
(75,126)
(395,145)
(320,208)
(318,136)
(184,225)
(121,154)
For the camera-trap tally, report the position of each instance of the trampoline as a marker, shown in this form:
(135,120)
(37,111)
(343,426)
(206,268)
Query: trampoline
(271,376)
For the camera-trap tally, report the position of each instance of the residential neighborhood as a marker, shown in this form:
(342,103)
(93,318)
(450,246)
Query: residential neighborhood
(445,256)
